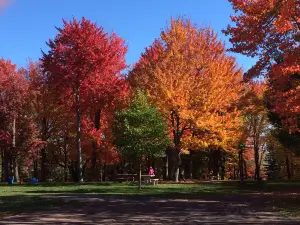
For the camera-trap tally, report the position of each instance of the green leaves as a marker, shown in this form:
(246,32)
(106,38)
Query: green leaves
(140,130)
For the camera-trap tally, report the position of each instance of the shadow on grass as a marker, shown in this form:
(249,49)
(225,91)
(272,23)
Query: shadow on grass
(136,209)
(50,196)
(21,204)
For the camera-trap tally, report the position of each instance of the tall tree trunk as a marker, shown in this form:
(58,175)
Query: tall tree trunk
(44,174)
(78,137)
(234,173)
(35,168)
(241,166)
(95,147)
(5,165)
(177,165)
(66,163)
(14,164)
(257,164)
(2,165)
(44,170)
(245,170)
(191,166)
(287,163)
(167,166)
(292,167)
(16,170)
(101,172)
(104,171)
(140,176)
(177,139)
(223,160)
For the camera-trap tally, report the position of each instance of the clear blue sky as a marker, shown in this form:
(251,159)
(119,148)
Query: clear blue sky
(27,24)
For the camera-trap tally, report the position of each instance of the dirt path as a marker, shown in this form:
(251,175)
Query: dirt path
(105,209)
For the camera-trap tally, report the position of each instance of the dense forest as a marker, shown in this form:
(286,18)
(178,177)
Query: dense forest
(185,108)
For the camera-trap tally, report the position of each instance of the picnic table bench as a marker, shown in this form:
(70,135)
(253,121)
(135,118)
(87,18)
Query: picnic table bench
(148,179)
(126,177)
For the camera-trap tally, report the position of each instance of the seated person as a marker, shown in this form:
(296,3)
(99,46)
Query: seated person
(151,171)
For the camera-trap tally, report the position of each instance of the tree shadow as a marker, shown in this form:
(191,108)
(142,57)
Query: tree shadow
(136,209)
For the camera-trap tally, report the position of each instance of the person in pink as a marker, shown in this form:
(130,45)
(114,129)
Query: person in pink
(151,171)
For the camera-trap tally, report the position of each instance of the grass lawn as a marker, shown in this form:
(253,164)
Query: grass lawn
(281,196)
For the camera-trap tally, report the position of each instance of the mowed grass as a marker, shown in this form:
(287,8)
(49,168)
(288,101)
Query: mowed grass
(283,196)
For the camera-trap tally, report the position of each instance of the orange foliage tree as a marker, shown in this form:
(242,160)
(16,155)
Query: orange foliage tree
(188,75)
(256,121)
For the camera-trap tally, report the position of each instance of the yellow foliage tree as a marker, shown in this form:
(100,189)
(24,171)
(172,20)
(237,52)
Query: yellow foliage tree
(188,75)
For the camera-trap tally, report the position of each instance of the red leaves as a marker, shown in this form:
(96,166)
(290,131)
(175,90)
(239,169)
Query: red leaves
(263,27)
(285,90)
(13,88)
(87,62)
(269,29)
(83,55)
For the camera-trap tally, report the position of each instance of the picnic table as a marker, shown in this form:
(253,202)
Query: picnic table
(149,179)
(126,177)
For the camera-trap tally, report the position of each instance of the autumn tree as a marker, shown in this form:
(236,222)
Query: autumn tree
(140,130)
(18,131)
(100,103)
(79,57)
(270,31)
(256,121)
(188,75)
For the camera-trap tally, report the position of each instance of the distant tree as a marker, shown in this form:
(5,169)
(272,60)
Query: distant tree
(256,121)
(140,130)
(18,134)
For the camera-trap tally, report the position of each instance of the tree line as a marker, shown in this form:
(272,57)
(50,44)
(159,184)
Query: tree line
(186,108)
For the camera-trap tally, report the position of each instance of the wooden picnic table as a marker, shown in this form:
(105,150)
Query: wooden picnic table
(126,177)
(147,178)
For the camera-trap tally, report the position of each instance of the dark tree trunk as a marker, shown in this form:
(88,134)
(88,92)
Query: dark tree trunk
(5,166)
(191,166)
(177,141)
(140,176)
(16,170)
(257,166)
(2,165)
(73,171)
(245,169)
(104,172)
(223,160)
(241,166)
(44,168)
(287,163)
(292,167)
(101,172)
(167,167)
(35,168)
(78,136)
(66,163)
(234,173)
(95,147)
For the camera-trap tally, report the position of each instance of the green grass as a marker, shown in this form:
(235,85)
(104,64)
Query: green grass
(29,198)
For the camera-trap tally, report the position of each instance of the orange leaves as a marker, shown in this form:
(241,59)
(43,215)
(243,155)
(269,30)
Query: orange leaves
(188,72)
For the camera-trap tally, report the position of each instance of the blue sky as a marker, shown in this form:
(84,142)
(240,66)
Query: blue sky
(26,25)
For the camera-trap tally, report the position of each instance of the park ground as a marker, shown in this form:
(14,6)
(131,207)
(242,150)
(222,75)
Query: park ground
(189,203)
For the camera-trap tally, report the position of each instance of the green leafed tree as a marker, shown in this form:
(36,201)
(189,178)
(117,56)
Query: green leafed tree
(140,130)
